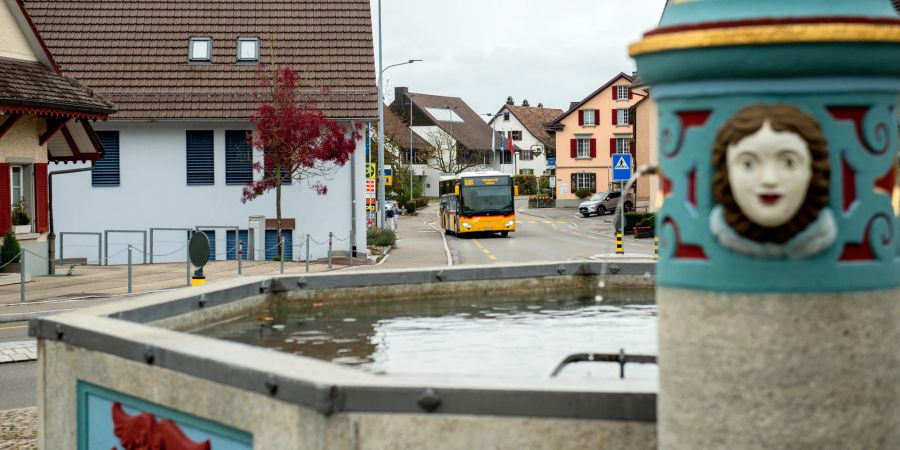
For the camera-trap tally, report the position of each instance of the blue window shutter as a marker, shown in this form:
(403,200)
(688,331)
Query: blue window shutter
(238,157)
(200,158)
(106,169)
(231,245)
(272,241)
(211,235)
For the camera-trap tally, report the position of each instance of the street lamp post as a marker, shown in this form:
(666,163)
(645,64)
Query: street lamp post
(381,71)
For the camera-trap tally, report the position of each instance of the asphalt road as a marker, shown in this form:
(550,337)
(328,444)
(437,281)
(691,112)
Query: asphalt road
(14,331)
(543,235)
(17,385)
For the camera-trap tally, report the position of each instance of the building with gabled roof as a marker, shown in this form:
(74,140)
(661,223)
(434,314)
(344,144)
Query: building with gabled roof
(443,121)
(45,118)
(533,144)
(184,76)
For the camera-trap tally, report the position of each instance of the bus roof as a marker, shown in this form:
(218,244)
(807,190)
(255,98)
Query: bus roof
(483,173)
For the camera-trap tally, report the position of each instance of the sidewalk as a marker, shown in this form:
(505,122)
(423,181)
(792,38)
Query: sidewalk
(418,244)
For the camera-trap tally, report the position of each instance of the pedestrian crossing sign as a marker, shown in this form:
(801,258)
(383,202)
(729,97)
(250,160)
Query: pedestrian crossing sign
(621,163)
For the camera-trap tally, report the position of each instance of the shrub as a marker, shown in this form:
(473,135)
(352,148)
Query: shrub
(10,250)
(648,220)
(583,193)
(640,219)
(18,213)
(410,208)
(421,202)
(380,237)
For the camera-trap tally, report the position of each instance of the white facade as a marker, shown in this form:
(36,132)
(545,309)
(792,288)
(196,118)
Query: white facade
(538,165)
(153,193)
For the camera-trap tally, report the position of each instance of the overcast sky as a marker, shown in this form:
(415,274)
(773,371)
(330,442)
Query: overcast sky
(547,51)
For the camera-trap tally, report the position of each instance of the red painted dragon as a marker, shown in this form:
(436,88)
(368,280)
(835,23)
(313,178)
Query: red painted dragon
(144,432)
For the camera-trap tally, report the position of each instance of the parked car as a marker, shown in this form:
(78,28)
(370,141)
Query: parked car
(604,202)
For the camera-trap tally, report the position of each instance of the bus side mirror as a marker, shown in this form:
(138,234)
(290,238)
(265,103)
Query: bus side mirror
(516,191)
(456,191)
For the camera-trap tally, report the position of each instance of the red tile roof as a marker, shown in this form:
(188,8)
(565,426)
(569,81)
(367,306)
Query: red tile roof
(535,120)
(135,53)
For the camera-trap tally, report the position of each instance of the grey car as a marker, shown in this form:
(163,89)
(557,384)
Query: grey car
(604,202)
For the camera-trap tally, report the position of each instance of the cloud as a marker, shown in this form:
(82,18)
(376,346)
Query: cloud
(552,52)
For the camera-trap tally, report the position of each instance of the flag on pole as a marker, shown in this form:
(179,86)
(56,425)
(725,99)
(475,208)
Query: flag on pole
(512,147)
(502,143)
(493,141)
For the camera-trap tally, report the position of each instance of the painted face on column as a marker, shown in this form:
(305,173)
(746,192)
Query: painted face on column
(769,173)
(771,184)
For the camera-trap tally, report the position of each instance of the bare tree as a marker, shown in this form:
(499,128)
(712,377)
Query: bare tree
(447,156)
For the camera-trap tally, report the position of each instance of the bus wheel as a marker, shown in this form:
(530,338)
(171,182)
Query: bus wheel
(504,233)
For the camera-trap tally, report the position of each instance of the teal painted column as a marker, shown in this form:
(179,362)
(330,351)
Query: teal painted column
(779,266)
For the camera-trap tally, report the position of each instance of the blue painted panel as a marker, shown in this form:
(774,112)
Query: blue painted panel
(272,240)
(238,158)
(106,169)
(621,163)
(96,426)
(200,158)
(230,244)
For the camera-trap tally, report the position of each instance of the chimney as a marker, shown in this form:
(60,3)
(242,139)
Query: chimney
(400,95)
(573,105)
(509,101)
(525,103)
(634,75)
(540,105)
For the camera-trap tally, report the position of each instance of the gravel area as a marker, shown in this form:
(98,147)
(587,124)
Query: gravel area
(18,429)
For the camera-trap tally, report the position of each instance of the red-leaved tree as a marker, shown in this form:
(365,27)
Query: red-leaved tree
(297,140)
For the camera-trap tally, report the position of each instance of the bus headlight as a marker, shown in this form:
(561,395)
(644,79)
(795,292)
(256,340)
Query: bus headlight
(510,223)
(466,224)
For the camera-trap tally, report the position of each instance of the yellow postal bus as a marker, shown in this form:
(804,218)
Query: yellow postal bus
(477,202)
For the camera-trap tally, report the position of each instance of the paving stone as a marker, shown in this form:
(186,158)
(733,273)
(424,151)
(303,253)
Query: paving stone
(5,359)
(18,429)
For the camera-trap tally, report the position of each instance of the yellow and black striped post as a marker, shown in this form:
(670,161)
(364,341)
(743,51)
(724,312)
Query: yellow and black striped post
(655,247)
(619,249)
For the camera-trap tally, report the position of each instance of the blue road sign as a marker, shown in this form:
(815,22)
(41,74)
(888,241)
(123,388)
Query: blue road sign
(551,162)
(621,163)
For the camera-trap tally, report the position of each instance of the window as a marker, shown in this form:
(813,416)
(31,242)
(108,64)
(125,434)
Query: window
(106,169)
(238,157)
(200,49)
(200,158)
(622,92)
(506,117)
(526,171)
(623,145)
(231,244)
(248,49)
(590,117)
(583,181)
(506,157)
(622,119)
(517,135)
(526,155)
(444,115)
(272,244)
(584,147)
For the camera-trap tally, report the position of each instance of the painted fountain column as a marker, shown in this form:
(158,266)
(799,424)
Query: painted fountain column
(779,272)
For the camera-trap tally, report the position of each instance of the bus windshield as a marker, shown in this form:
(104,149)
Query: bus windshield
(486,200)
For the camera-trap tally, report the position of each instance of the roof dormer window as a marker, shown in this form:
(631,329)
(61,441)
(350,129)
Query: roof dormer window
(248,49)
(200,49)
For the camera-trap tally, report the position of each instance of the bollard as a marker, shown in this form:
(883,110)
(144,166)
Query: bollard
(283,255)
(187,265)
(307,252)
(129,268)
(22,276)
(240,254)
(62,236)
(330,235)
(778,131)
(655,247)
(619,249)
(350,251)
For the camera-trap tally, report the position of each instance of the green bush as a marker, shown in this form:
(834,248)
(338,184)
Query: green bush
(583,193)
(380,237)
(421,202)
(410,208)
(526,183)
(640,219)
(648,221)
(10,250)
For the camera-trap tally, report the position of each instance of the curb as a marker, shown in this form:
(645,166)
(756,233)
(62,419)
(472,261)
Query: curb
(22,317)
(446,246)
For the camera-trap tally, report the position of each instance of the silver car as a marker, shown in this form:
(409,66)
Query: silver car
(604,202)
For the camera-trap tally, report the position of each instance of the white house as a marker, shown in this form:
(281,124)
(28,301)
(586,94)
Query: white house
(181,75)
(445,123)
(527,126)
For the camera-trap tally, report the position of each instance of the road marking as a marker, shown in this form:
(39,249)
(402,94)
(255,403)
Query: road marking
(532,221)
(486,251)
(15,327)
(547,221)
(518,221)
(563,221)
(492,257)
(477,243)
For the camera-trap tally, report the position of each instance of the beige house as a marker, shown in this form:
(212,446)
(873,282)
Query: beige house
(646,145)
(589,133)
(44,117)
